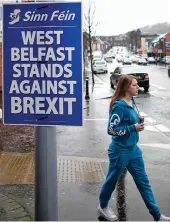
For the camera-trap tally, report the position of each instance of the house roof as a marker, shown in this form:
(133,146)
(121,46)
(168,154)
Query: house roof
(159,37)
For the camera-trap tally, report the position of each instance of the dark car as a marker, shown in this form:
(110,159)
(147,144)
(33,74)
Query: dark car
(139,72)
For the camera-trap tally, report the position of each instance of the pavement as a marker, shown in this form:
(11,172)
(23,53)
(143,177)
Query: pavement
(82,163)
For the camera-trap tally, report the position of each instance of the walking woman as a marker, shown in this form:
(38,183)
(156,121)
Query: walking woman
(124,127)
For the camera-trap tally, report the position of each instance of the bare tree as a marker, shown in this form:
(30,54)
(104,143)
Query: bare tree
(90,27)
(85,50)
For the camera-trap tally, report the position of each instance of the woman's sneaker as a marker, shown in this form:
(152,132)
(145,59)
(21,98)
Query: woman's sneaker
(164,218)
(107,213)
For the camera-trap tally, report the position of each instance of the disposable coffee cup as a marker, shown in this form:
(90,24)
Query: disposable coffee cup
(141,119)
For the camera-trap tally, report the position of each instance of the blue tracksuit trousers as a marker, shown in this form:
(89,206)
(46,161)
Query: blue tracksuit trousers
(134,163)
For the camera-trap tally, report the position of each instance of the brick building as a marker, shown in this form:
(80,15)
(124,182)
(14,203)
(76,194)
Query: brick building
(161,45)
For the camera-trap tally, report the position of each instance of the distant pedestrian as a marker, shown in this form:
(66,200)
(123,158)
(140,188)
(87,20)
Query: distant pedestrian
(124,126)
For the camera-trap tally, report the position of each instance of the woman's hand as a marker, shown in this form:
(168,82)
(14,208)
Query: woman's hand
(139,127)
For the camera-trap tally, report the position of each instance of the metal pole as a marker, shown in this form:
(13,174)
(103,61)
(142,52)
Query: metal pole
(45,174)
(87,88)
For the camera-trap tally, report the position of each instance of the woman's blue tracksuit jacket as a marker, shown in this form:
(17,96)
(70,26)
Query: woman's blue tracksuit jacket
(124,153)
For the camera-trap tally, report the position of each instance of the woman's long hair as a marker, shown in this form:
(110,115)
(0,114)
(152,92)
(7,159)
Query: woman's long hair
(123,84)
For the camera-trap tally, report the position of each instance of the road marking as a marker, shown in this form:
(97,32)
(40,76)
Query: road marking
(147,119)
(0,113)
(150,120)
(154,128)
(151,128)
(159,87)
(157,145)
(162,128)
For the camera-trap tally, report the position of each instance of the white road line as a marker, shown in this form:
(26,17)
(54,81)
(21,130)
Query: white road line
(159,87)
(162,128)
(0,113)
(150,120)
(157,145)
(147,119)
(151,128)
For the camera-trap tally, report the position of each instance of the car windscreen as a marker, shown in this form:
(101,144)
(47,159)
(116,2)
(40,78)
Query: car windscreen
(100,63)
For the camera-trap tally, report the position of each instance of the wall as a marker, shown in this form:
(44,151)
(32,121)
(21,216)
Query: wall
(142,44)
(167,39)
(145,43)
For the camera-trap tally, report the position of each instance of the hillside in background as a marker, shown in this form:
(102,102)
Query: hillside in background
(158,28)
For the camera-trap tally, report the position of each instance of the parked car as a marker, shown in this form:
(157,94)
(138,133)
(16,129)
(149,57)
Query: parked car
(142,61)
(141,76)
(145,57)
(113,56)
(119,58)
(133,59)
(127,61)
(151,60)
(96,59)
(109,59)
(165,59)
(100,66)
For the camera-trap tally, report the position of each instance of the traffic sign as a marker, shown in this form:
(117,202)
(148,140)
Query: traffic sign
(42,64)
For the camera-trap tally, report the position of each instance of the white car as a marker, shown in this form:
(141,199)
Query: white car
(142,61)
(166,59)
(151,60)
(127,61)
(120,58)
(145,57)
(100,66)
(109,59)
(96,59)
(134,59)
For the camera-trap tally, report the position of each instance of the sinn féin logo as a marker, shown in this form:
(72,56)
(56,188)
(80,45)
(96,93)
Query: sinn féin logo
(15,16)
(33,16)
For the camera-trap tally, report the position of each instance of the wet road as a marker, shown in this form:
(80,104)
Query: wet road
(156,102)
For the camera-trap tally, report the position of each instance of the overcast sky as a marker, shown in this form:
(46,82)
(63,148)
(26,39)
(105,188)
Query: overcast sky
(119,16)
